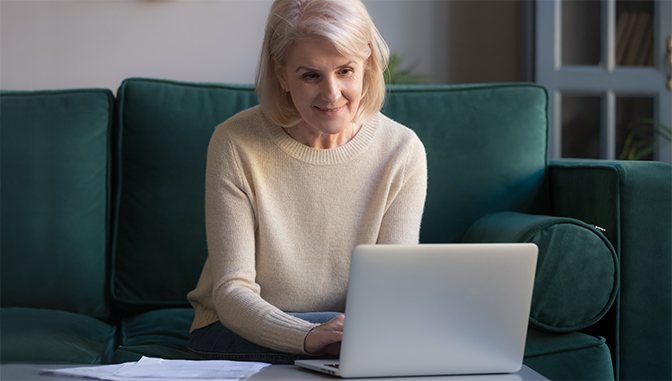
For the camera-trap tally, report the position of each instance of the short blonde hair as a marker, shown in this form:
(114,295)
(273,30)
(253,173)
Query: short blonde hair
(347,24)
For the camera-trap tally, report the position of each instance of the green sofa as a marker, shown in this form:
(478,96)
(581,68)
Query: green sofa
(103,221)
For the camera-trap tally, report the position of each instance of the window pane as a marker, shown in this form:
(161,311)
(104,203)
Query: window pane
(581,127)
(581,22)
(634,32)
(634,128)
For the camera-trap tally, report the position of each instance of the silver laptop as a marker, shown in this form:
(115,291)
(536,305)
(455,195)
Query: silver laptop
(435,309)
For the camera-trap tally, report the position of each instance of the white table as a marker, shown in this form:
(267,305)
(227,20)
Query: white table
(23,372)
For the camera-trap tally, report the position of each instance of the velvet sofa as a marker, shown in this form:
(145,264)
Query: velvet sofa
(103,221)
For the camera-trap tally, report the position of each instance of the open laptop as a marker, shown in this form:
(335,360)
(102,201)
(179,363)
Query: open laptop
(435,309)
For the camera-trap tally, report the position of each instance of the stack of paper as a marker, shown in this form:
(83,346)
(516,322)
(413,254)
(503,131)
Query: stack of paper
(166,370)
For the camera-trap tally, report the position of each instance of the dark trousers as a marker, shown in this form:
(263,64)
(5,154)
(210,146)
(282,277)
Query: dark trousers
(216,342)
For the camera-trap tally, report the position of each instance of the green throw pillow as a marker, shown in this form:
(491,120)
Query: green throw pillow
(577,275)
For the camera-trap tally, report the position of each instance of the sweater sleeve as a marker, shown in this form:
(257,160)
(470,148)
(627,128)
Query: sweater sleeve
(401,221)
(230,229)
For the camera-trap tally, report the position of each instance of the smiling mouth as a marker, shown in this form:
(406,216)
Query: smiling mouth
(329,109)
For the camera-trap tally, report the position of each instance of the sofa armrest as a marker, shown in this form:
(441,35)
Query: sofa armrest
(633,202)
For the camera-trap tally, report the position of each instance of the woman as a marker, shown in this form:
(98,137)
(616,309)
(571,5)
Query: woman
(294,184)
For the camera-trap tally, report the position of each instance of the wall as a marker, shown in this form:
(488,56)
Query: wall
(97,43)
(487,41)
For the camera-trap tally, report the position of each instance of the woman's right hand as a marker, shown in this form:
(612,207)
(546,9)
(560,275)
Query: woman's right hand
(325,338)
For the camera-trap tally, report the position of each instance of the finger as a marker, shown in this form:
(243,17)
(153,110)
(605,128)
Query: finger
(336,322)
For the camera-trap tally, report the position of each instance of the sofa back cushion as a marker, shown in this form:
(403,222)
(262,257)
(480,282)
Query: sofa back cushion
(486,147)
(486,151)
(55,199)
(160,244)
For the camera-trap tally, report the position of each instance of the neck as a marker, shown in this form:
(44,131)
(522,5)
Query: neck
(319,140)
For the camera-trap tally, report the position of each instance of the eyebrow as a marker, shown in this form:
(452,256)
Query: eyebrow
(349,63)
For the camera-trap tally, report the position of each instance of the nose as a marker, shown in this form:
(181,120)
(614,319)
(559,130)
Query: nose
(331,91)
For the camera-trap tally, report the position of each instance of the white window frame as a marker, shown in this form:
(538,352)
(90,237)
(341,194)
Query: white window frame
(605,80)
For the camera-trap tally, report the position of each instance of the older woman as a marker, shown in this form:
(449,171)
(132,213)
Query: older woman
(294,184)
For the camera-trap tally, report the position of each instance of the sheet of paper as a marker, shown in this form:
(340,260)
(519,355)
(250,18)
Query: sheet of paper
(99,372)
(149,368)
(188,369)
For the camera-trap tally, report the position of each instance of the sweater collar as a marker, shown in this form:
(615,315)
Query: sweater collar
(310,155)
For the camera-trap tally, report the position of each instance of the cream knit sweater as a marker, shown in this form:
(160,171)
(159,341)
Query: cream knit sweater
(282,219)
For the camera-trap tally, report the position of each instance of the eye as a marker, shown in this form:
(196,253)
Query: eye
(310,76)
(346,71)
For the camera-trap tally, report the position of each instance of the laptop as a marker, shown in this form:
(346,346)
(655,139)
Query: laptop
(435,309)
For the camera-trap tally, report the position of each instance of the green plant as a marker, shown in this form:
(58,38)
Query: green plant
(396,75)
(642,137)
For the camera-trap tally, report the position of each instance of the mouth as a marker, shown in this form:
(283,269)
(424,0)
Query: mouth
(329,110)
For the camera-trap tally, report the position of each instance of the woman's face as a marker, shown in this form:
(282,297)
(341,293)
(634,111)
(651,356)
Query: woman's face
(326,88)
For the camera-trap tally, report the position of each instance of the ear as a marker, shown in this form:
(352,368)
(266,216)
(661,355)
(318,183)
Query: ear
(280,74)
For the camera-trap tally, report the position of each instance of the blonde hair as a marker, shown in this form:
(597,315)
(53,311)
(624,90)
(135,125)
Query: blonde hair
(348,26)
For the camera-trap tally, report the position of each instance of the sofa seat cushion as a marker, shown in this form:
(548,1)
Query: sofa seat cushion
(50,336)
(161,333)
(568,356)
(165,334)
(577,277)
